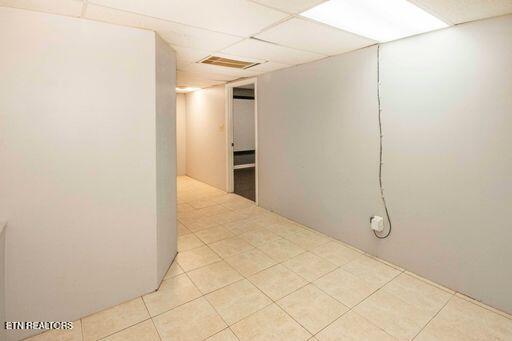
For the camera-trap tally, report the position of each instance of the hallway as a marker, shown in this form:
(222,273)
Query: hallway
(244,273)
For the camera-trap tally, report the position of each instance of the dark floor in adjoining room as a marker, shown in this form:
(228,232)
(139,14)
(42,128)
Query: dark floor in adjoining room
(244,181)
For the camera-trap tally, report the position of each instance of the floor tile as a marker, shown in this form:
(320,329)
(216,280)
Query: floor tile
(345,287)
(182,230)
(281,249)
(237,301)
(200,223)
(230,247)
(250,262)
(370,270)
(417,292)
(270,324)
(283,228)
(202,203)
(214,234)
(174,270)
(112,320)
(172,293)
(259,236)
(189,242)
(237,203)
(195,258)
(353,327)
(480,304)
(143,331)
(196,320)
(277,281)
(309,266)
(253,211)
(225,335)
(228,217)
(395,316)
(336,253)
(74,334)
(313,309)
(182,208)
(463,320)
(213,210)
(306,239)
(241,226)
(214,276)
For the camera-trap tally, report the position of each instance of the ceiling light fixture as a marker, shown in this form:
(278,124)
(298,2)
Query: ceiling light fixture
(375,19)
(182,90)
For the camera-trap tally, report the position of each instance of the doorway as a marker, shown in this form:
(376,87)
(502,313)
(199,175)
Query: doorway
(242,138)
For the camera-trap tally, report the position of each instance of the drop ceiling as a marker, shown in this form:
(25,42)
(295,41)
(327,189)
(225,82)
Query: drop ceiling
(269,32)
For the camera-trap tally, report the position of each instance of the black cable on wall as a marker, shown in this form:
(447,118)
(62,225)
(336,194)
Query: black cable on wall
(381,187)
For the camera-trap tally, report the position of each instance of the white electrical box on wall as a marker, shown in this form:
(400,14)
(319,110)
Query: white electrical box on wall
(377,223)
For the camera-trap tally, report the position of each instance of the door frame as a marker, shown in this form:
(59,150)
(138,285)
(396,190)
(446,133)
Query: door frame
(229,134)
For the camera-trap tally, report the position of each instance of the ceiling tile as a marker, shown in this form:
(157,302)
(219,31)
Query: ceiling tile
(312,36)
(173,33)
(242,18)
(460,11)
(267,67)
(196,80)
(290,6)
(211,76)
(254,48)
(186,55)
(227,72)
(72,8)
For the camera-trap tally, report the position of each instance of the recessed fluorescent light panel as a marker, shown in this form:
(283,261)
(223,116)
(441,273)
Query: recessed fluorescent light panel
(380,20)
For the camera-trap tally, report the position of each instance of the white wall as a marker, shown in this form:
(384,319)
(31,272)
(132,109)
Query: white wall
(165,155)
(81,164)
(206,136)
(181,134)
(243,124)
(446,119)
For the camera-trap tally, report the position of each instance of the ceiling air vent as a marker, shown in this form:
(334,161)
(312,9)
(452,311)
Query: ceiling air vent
(226,62)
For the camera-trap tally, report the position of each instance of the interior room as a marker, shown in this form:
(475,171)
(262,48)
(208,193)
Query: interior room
(224,170)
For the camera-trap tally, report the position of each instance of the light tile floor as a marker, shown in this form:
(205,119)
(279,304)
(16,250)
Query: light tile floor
(244,273)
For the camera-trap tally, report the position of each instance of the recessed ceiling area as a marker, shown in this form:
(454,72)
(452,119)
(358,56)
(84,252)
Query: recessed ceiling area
(271,33)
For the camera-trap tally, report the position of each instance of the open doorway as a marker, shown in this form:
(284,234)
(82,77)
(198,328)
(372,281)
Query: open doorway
(242,138)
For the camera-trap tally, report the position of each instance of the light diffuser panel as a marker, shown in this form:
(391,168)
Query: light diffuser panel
(380,20)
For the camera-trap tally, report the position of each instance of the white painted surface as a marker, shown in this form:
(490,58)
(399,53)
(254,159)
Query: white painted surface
(309,35)
(206,136)
(80,164)
(181,134)
(243,124)
(446,119)
(201,26)
(166,155)
(241,18)
(253,48)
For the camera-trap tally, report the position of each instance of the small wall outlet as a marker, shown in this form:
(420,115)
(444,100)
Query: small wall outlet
(377,223)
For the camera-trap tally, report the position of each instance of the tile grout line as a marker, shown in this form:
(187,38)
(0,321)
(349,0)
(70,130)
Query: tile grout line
(149,314)
(208,302)
(433,317)
(352,309)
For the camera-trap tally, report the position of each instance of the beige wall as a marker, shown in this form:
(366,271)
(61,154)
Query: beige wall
(82,182)
(181,134)
(206,136)
(446,118)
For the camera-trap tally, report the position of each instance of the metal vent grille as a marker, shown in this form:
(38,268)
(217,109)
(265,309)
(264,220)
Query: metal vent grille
(226,62)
